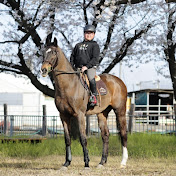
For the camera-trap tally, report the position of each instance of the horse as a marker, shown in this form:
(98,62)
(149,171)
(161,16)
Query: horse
(71,100)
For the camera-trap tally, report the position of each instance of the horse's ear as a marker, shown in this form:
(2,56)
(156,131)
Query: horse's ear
(48,39)
(55,42)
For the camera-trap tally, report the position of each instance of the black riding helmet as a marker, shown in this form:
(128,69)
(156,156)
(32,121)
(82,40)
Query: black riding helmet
(89,28)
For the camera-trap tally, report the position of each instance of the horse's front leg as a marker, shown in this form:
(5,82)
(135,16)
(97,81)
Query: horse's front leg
(67,128)
(83,140)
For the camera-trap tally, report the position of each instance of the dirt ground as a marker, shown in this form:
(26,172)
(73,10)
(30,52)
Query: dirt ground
(50,166)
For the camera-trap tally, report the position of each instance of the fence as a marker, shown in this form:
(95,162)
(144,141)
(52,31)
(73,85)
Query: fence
(30,126)
(50,126)
(163,124)
(152,118)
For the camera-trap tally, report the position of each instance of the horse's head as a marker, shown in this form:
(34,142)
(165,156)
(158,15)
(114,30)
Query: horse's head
(50,57)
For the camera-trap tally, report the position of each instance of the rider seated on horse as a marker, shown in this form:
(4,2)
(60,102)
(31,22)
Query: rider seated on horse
(85,55)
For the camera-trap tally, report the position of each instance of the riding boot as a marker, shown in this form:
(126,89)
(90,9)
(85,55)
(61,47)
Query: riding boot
(93,88)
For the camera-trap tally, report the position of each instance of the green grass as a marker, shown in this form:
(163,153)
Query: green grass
(139,146)
(152,145)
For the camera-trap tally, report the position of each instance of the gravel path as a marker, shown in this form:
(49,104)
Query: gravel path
(49,166)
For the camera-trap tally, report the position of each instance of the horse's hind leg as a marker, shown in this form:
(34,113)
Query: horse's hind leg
(102,122)
(121,126)
(67,128)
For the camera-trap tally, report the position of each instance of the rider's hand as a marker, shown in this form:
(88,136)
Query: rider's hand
(84,68)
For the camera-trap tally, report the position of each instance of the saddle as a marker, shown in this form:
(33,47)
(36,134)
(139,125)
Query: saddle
(101,87)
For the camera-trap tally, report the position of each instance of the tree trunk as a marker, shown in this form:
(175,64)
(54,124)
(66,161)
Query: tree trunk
(171,46)
(172,69)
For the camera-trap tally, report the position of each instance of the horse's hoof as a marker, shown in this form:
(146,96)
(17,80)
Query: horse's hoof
(122,166)
(63,168)
(100,166)
(86,168)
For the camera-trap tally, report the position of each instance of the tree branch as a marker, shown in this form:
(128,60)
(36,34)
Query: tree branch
(24,25)
(122,53)
(68,42)
(36,13)
(26,71)
(10,70)
(98,8)
(10,64)
(85,11)
(109,35)
(169,1)
(90,2)
(127,1)
(9,41)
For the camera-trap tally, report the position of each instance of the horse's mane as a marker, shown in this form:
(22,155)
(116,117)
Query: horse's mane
(62,54)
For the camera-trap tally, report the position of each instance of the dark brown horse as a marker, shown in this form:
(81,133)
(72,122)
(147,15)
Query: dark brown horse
(71,100)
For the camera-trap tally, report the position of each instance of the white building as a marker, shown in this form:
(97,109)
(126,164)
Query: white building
(22,98)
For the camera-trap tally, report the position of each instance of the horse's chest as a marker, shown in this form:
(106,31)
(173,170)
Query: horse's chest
(62,105)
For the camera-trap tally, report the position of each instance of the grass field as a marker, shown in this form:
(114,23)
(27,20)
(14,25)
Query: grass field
(148,155)
(139,146)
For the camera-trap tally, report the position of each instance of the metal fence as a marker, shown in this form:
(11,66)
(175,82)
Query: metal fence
(51,126)
(153,118)
(30,126)
(162,124)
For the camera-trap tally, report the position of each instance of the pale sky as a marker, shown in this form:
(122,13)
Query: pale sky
(146,73)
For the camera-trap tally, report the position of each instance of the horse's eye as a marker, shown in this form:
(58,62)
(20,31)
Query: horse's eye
(53,52)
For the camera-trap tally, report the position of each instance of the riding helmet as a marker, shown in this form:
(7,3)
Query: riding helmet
(89,28)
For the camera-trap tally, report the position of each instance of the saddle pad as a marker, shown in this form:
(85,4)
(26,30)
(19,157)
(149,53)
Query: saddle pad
(101,87)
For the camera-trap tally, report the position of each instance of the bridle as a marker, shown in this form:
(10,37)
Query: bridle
(52,68)
(51,61)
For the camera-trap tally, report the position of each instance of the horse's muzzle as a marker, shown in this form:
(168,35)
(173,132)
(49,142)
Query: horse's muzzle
(45,69)
(44,72)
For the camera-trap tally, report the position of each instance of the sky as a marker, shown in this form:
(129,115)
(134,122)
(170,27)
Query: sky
(15,84)
(145,76)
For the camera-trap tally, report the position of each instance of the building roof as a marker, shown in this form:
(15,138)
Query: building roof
(156,86)
(152,90)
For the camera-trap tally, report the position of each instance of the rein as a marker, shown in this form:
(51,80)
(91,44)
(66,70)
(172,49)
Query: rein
(64,72)
(74,72)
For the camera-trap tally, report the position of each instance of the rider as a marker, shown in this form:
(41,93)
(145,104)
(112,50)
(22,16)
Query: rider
(85,55)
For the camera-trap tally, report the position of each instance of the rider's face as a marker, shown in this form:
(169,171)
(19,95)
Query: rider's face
(88,36)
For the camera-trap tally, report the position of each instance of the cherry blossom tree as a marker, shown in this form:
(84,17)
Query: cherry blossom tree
(135,31)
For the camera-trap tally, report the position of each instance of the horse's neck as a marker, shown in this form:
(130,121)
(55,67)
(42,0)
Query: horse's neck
(63,63)
(64,81)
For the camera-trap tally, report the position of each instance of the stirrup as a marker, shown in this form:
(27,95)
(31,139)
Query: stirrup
(93,100)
